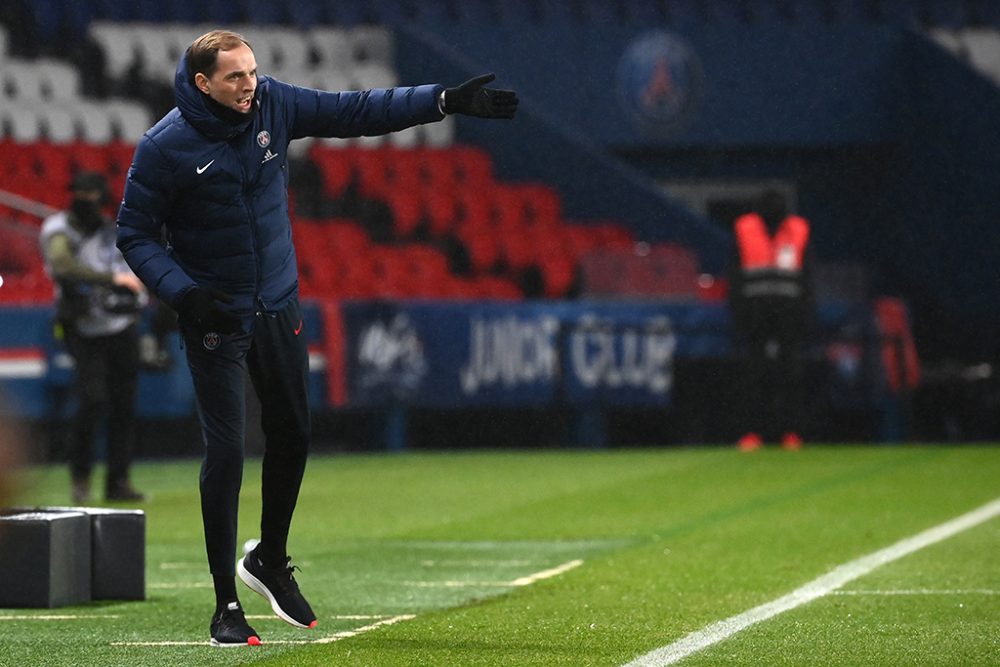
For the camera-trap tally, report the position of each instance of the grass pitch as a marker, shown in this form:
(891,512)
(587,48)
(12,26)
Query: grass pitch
(565,558)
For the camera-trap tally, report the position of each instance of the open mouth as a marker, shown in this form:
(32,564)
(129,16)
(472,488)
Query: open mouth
(244,103)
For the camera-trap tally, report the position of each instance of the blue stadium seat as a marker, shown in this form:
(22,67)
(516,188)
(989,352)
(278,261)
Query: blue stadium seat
(946,13)
(603,12)
(814,12)
(116,10)
(478,11)
(902,12)
(768,11)
(222,12)
(520,11)
(348,13)
(680,14)
(307,13)
(153,11)
(184,11)
(985,12)
(264,12)
(76,18)
(856,11)
(48,16)
(561,12)
(727,12)
(434,13)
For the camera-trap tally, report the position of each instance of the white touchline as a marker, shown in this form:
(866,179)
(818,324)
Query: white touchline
(55,617)
(323,640)
(817,588)
(353,633)
(520,581)
(547,574)
(919,591)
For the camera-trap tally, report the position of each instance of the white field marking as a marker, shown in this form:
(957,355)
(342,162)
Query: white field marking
(921,591)
(180,565)
(55,617)
(491,545)
(547,574)
(322,640)
(458,584)
(817,588)
(336,617)
(354,633)
(476,563)
(520,581)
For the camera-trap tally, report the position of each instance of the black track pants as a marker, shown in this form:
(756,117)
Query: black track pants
(276,357)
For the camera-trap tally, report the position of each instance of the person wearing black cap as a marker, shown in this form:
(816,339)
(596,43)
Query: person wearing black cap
(98,299)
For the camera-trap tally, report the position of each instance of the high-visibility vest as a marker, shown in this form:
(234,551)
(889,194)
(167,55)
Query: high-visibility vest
(771,266)
(760,251)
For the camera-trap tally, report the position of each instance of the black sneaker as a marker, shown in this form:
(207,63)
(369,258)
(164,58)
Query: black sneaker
(279,587)
(230,628)
(123,492)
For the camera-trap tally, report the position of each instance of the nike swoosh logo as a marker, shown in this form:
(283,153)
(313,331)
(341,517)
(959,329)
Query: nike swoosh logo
(201,170)
(298,329)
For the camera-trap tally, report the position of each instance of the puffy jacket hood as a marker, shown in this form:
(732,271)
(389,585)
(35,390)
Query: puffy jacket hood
(191,103)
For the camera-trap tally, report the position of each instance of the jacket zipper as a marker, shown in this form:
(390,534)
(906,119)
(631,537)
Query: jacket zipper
(259,306)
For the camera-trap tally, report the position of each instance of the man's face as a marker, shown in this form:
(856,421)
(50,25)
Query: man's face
(234,81)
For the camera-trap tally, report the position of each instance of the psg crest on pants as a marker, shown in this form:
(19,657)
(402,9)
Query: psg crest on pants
(211,340)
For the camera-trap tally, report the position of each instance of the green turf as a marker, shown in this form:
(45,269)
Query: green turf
(670,541)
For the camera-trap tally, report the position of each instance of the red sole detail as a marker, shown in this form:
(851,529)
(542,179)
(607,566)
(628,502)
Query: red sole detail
(313,624)
(254,641)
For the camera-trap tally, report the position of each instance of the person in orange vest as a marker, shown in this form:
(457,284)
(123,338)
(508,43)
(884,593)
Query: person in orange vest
(771,304)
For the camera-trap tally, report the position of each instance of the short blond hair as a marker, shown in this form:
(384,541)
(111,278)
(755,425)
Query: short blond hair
(203,54)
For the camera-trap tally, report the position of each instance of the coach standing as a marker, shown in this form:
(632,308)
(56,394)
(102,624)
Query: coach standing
(213,171)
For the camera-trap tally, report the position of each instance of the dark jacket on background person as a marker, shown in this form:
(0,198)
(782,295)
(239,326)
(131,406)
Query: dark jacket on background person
(190,173)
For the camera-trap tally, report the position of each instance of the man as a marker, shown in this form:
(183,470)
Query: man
(98,300)
(213,171)
(771,304)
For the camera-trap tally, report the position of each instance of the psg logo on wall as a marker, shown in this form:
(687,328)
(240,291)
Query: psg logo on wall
(659,83)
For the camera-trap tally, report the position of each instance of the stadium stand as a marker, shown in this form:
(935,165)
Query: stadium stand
(420,205)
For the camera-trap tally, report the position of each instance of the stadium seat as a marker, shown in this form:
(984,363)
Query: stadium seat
(58,123)
(439,134)
(372,44)
(983,49)
(372,75)
(115,41)
(333,47)
(20,123)
(407,212)
(94,122)
(58,80)
(131,119)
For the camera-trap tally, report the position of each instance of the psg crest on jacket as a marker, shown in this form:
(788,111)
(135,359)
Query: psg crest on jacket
(659,82)
(263,138)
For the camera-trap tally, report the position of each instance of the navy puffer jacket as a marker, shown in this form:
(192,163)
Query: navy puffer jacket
(221,190)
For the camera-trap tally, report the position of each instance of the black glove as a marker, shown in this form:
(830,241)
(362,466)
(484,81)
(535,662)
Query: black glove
(198,308)
(471,99)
